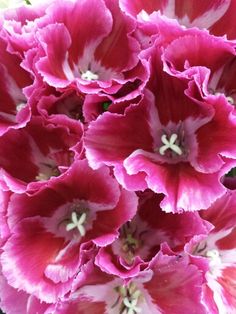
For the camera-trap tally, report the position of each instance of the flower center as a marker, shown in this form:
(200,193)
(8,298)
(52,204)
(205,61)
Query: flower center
(50,171)
(129,297)
(212,254)
(89,76)
(129,246)
(129,241)
(77,221)
(230,100)
(170,144)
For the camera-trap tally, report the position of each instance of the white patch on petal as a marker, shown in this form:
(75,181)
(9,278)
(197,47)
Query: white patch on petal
(169,10)
(143,16)
(67,70)
(210,17)
(205,20)
(219,260)
(217,294)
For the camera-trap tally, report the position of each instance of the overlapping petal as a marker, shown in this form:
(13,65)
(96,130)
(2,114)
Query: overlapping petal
(35,153)
(117,127)
(48,274)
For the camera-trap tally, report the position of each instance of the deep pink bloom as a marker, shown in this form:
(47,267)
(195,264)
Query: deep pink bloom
(117,128)
(67,214)
(211,60)
(15,111)
(36,153)
(138,144)
(19,26)
(215,15)
(141,238)
(99,54)
(169,285)
(216,253)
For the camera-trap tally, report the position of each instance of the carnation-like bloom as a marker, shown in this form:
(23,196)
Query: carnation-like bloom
(219,248)
(97,55)
(215,15)
(161,144)
(35,154)
(172,136)
(141,238)
(15,111)
(169,285)
(76,209)
(117,137)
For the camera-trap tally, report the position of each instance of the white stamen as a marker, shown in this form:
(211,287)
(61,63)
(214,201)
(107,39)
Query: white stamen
(20,106)
(89,76)
(131,306)
(42,177)
(170,144)
(230,100)
(77,223)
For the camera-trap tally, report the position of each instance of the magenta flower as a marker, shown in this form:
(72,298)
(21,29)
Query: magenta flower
(141,238)
(169,284)
(77,209)
(98,56)
(117,128)
(166,150)
(219,248)
(35,154)
(15,111)
(217,15)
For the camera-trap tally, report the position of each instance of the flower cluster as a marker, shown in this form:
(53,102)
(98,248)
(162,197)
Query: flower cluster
(117,132)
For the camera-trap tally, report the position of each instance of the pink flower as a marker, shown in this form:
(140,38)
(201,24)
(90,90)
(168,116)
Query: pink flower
(219,248)
(59,108)
(141,238)
(76,209)
(99,55)
(217,16)
(15,111)
(36,153)
(117,128)
(168,285)
(161,144)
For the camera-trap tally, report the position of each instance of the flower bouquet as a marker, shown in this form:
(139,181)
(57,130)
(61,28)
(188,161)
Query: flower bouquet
(117,139)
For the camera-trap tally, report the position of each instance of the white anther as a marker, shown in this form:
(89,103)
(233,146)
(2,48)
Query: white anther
(170,144)
(230,100)
(42,177)
(89,76)
(214,257)
(77,223)
(20,106)
(131,306)
(213,254)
